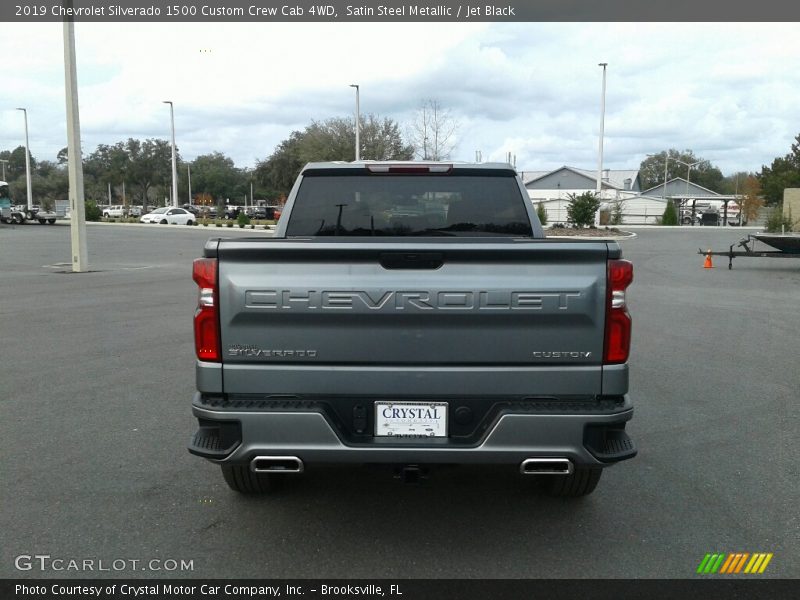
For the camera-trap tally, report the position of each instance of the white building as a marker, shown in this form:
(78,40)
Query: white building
(619,188)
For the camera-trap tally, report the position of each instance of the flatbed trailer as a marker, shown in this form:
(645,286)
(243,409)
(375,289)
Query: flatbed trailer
(748,243)
(21,214)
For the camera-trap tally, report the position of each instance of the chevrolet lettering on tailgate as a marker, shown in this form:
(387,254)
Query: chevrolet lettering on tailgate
(403,300)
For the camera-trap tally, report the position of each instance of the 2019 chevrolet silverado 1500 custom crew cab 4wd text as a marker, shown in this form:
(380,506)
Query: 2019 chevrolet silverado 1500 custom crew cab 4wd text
(412,314)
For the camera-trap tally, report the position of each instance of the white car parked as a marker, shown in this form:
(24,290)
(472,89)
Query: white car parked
(166,214)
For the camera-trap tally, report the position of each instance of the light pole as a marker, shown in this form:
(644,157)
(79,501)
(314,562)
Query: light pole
(602,131)
(5,162)
(358,121)
(688,175)
(27,162)
(189,177)
(77,224)
(174,167)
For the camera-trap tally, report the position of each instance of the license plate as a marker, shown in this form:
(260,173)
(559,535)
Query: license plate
(411,419)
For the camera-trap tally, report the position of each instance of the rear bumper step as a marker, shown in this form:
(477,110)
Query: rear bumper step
(536,443)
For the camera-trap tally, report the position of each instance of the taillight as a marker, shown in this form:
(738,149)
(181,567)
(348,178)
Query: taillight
(618,321)
(206,317)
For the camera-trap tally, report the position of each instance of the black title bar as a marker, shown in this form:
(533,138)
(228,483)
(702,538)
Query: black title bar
(393,11)
(743,588)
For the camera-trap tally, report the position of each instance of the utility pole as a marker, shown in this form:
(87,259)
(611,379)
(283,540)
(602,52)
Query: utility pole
(189,177)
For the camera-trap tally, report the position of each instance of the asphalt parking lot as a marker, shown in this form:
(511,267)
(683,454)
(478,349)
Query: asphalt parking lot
(96,388)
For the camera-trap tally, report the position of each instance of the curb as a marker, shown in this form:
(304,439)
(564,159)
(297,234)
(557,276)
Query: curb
(264,228)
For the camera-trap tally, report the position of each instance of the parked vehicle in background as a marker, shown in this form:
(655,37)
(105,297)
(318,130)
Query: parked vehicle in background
(232,212)
(264,212)
(135,210)
(412,314)
(193,208)
(256,212)
(114,211)
(168,215)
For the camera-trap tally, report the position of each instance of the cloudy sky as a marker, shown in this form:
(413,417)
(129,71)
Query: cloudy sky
(730,92)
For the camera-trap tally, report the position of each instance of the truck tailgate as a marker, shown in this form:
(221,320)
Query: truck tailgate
(503,317)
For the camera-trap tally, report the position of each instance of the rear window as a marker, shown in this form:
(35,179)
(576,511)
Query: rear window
(409,205)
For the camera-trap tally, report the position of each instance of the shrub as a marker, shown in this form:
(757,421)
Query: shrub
(218,224)
(670,216)
(229,224)
(541,212)
(242,220)
(93,212)
(777,221)
(582,208)
(617,209)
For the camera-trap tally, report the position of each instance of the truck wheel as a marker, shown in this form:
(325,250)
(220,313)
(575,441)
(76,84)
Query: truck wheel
(51,221)
(581,483)
(18,219)
(42,221)
(241,479)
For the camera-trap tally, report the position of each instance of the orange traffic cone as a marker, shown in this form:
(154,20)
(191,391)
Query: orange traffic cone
(708,264)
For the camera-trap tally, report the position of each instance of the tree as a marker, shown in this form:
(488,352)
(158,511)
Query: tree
(278,172)
(670,216)
(784,172)
(432,133)
(617,211)
(216,174)
(751,201)
(582,208)
(651,170)
(50,182)
(541,212)
(333,139)
(150,165)
(381,140)
(107,165)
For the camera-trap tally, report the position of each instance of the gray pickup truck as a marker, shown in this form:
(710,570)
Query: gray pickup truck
(412,314)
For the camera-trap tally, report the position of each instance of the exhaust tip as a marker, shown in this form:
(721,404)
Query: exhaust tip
(276,464)
(546,466)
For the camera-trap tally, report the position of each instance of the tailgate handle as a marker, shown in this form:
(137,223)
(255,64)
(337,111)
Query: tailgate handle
(412,260)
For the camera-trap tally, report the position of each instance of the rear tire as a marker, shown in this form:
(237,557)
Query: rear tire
(51,221)
(190,222)
(580,483)
(163,222)
(241,479)
(42,221)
